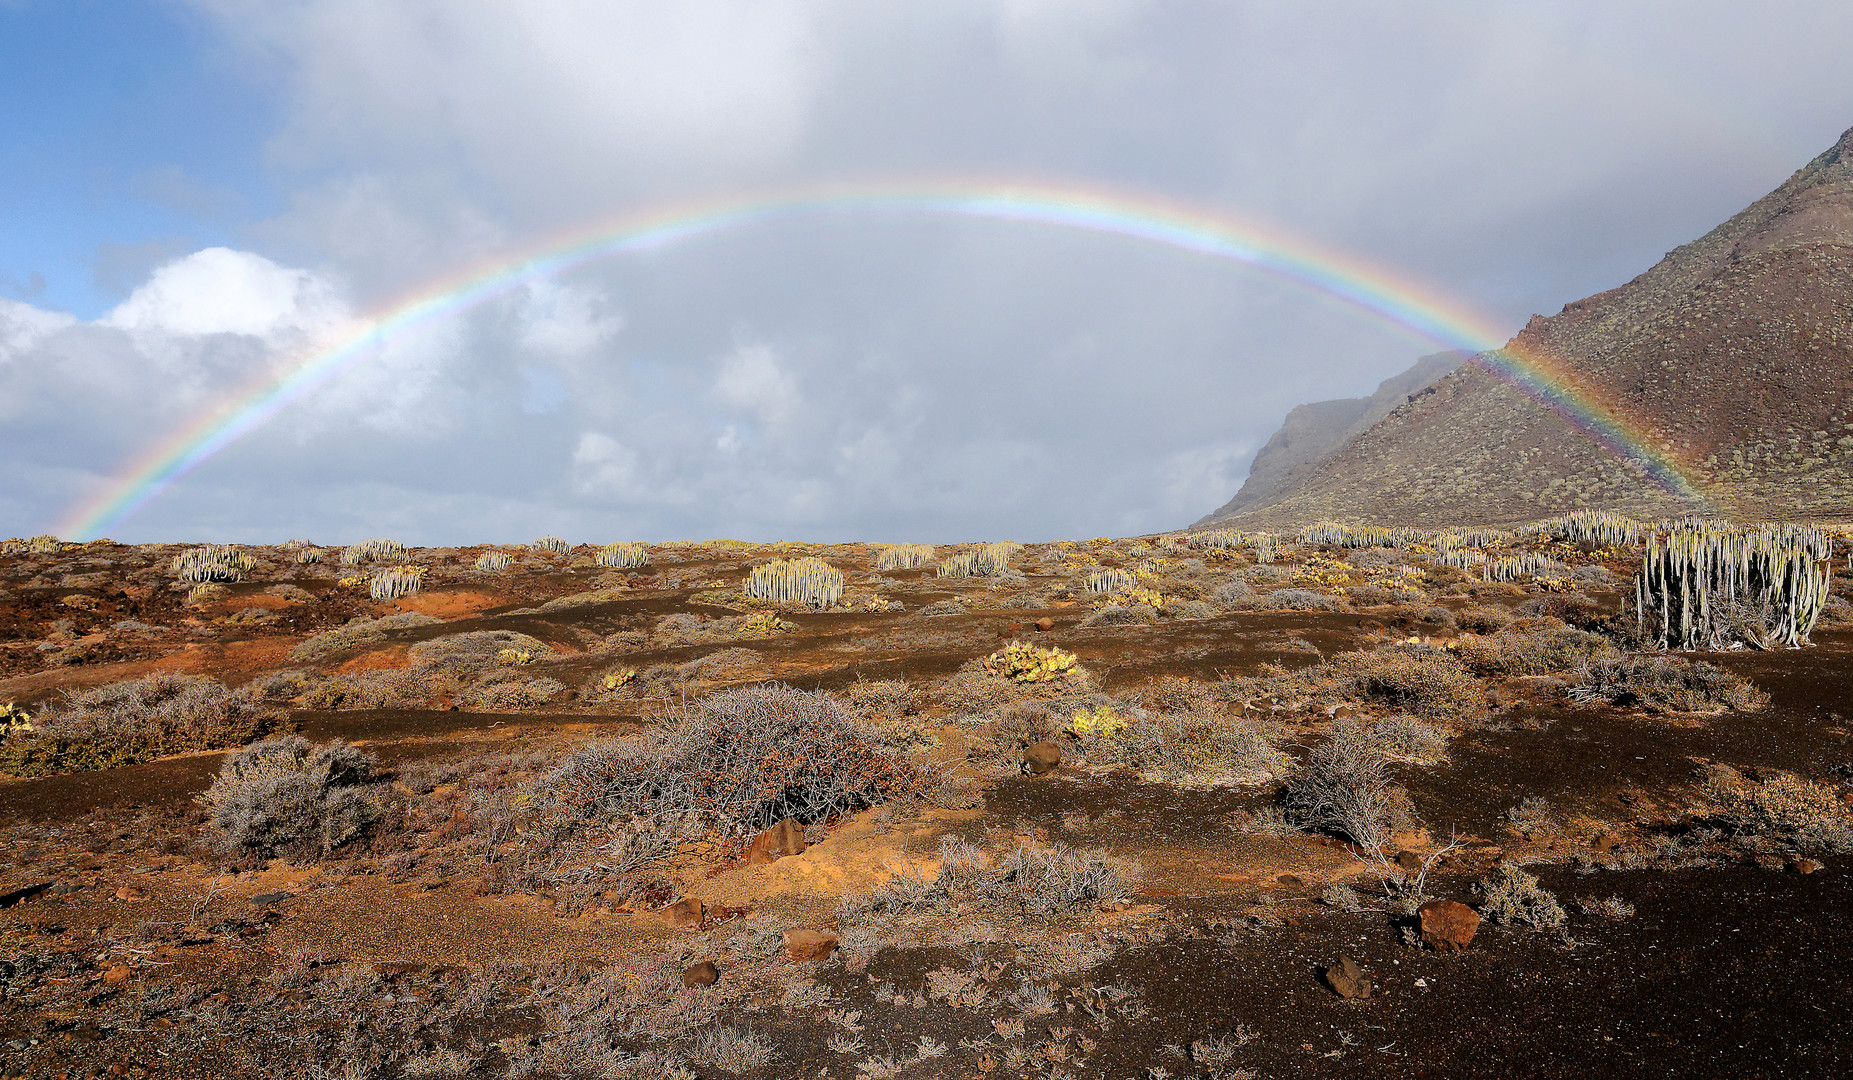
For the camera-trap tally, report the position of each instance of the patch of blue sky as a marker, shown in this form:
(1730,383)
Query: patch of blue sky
(127,136)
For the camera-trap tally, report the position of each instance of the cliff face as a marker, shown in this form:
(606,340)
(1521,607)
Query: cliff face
(1734,354)
(1312,433)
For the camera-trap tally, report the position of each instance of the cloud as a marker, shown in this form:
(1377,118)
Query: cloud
(221,291)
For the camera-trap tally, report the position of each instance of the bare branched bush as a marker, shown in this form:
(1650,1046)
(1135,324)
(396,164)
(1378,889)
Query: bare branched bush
(357,633)
(126,722)
(743,760)
(1533,647)
(1426,682)
(291,798)
(1192,747)
(1345,786)
(1036,879)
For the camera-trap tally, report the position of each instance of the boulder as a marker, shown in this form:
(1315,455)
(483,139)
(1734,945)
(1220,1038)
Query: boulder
(1041,757)
(785,838)
(685,914)
(803,945)
(117,975)
(702,974)
(1045,624)
(1347,979)
(1447,924)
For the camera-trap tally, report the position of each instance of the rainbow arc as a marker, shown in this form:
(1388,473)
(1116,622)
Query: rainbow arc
(1334,275)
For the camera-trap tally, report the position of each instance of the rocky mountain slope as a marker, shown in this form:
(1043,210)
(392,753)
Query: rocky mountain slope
(1734,355)
(1315,431)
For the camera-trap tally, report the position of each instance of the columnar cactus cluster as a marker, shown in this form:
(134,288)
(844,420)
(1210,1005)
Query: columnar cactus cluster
(903,556)
(623,555)
(214,562)
(370,551)
(1523,564)
(494,560)
(1359,536)
(979,562)
(1595,526)
(809,581)
(1703,585)
(397,581)
(1109,580)
(553,544)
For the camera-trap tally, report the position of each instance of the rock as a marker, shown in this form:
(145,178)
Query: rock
(269,898)
(131,893)
(1045,624)
(1447,924)
(1290,881)
(26,892)
(785,838)
(1607,842)
(117,975)
(1408,861)
(702,974)
(1347,979)
(803,945)
(685,913)
(1041,757)
(1806,866)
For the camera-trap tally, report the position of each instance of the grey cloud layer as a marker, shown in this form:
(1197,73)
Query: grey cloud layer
(881,379)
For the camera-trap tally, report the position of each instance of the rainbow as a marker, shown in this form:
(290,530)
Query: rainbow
(1327,273)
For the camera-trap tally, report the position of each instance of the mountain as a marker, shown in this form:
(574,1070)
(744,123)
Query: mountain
(1733,355)
(1314,432)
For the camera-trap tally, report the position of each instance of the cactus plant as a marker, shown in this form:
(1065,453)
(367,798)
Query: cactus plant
(370,550)
(494,560)
(553,544)
(1108,580)
(623,555)
(810,581)
(1703,585)
(979,562)
(903,556)
(214,562)
(397,581)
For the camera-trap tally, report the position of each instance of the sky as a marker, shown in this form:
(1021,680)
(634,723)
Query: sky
(199,196)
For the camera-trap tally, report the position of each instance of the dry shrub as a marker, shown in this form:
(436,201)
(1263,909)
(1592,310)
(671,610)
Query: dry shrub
(1582,612)
(976,689)
(1775,802)
(466,654)
(1344,786)
(1407,739)
(1514,898)
(884,698)
(1294,599)
(1035,879)
(1426,682)
(502,691)
(1483,619)
(1533,647)
(1182,748)
(126,722)
(357,633)
(1122,615)
(1666,684)
(742,760)
(398,689)
(1233,593)
(287,797)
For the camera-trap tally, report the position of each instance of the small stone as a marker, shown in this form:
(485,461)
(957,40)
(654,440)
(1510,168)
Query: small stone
(685,913)
(1290,881)
(1806,866)
(1347,979)
(1408,861)
(132,894)
(269,898)
(1045,624)
(1607,842)
(785,838)
(1041,757)
(1447,924)
(803,945)
(117,975)
(702,974)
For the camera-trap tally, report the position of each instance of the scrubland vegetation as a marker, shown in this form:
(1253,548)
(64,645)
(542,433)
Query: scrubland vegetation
(963,810)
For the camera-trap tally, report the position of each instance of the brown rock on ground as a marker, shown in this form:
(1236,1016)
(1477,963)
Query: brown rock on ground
(803,945)
(1447,924)
(1409,861)
(1347,979)
(132,894)
(1045,624)
(685,913)
(1041,757)
(785,838)
(702,974)
(117,975)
